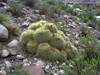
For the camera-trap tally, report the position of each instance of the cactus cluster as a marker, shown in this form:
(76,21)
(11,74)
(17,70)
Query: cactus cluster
(47,42)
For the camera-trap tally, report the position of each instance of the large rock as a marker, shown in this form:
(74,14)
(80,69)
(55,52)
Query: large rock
(33,70)
(3,33)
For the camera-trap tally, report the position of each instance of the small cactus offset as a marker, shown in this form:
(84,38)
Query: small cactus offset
(26,36)
(32,47)
(47,42)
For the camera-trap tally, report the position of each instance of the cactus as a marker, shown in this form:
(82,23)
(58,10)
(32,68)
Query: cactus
(69,53)
(57,41)
(26,36)
(52,27)
(32,47)
(47,42)
(42,22)
(54,54)
(43,50)
(67,44)
(63,35)
(63,56)
(34,26)
(42,35)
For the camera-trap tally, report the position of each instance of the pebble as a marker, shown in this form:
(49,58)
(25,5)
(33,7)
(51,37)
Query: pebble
(57,62)
(3,72)
(8,64)
(35,59)
(5,53)
(20,57)
(99,37)
(60,66)
(56,74)
(25,24)
(72,26)
(47,67)
(2,65)
(62,72)
(71,66)
(40,63)
(13,52)
(76,43)
(25,61)
(63,64)
(13,43)
(26,64)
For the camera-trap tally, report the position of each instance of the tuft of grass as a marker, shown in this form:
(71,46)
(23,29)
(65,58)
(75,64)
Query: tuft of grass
(8,23)
(15,8)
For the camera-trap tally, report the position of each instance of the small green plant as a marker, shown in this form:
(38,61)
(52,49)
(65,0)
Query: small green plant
(25,72)
(85,19)
(9,52)
(92,48)
(16,69)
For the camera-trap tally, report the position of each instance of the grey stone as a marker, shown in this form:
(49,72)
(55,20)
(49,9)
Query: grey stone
(5,53)
(72,26)
(13,52)
(47,67)
(62,72)
(3,72)
(76,43)
(3,33)
(25,61)
(8,64)
(2,65)
(20,57)
(13,43)
(25,24)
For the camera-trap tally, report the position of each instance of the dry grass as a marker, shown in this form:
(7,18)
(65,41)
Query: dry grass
(8,23)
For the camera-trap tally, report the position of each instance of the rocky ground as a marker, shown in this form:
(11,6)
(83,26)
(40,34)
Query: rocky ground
(18,56)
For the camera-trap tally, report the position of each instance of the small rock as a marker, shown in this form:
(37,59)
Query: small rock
(2,65)
(71,21)
(63,64)
(36,11)
(60,66)
(13,43)
(25,24)
(72,26)
(41,63)
(62,72)
(8,64)
(47,67)
(13,52)
(5,53)
(3,72)
(71,66)
(33,70)
(25,61)
(99,37)
(56,74)
(76,43)
(43,16)
(3,33)
(35,59)
(25,64)
(57,62)
(20,57)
